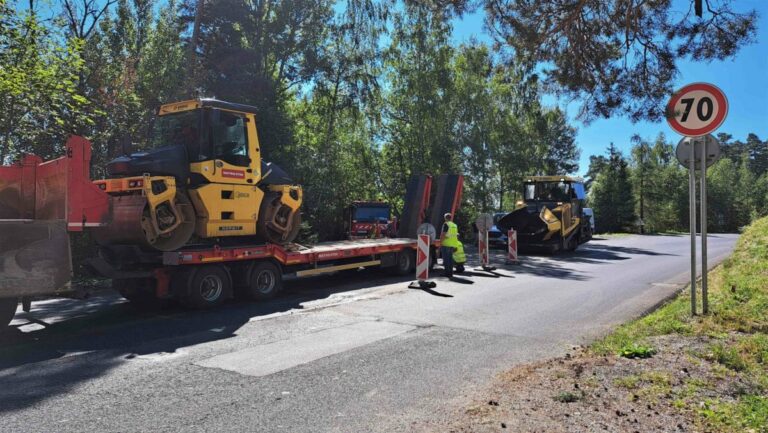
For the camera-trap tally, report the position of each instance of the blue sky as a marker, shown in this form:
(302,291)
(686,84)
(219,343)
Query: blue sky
(744,80)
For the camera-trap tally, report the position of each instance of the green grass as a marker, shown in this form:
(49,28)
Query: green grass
(691,387)
(661,378)
(672,318)
(748,413)
(655,385)
(636,351)
(738,293)
(728,356)
(567,397)
(629,382)
(614,234)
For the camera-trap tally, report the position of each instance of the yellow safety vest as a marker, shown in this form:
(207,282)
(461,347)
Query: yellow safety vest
(452,235)
(458,254)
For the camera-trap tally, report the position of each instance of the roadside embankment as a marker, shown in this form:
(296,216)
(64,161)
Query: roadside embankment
(666,371)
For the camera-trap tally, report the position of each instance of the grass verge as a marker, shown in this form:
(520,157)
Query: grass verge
(735,329)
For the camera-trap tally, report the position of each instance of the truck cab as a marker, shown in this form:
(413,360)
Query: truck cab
(369,220)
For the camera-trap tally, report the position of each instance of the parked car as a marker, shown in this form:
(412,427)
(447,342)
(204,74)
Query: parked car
(496,238)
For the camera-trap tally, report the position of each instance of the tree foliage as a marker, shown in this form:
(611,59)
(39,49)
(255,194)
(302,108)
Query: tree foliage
(618,57)
(737,185)
(611,195)
(38,84)
(660,185)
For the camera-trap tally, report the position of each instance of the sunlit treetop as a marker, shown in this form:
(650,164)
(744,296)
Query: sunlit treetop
(619,57)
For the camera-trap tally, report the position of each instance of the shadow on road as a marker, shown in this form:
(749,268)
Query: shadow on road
(551,265)
(456,279)
(599,253)
(537,265)
(486,274)
(106,331)
(546,268)
(433,292)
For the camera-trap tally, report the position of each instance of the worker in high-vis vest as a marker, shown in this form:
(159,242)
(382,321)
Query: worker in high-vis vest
(459,258)
(451,249)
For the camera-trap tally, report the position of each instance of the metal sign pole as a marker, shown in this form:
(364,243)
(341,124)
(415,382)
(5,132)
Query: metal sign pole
(704,299)
(695,125)
(692,218)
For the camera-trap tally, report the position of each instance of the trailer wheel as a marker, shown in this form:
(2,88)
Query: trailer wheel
(139,291)
(264,281)
(207,287)
(7,311)
(406,260)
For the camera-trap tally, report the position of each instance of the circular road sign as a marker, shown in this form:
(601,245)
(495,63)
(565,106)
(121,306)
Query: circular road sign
(683,151)
(484,222)
(697,109)
(429,230)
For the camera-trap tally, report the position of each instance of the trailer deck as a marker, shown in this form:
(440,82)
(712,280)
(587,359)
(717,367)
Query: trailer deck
(292,254)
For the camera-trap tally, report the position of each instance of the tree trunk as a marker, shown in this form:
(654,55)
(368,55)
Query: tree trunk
(501,193)
(192,81)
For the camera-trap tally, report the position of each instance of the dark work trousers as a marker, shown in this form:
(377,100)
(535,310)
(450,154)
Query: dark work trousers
(447,254)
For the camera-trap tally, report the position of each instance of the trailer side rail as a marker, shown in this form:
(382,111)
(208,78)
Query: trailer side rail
(290,254)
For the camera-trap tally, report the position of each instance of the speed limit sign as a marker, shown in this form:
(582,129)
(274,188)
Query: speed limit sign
(694,111)
(697,109)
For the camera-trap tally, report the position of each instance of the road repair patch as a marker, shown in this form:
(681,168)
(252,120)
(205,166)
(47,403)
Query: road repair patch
(266,359)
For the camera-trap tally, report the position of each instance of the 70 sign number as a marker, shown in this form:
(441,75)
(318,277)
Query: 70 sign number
(700,107)
(697,109)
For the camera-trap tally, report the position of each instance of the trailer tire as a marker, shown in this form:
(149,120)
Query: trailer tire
(265,280)
(406,262)
(138,291)
(7,311)
(207,287)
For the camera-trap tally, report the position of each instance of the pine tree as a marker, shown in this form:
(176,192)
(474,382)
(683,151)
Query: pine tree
(559,138)
(659,185)
(611,195)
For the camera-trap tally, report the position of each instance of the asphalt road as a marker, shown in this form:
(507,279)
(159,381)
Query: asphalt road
(344,353)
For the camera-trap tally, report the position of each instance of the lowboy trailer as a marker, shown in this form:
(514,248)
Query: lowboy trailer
(43,203)
(204,276)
